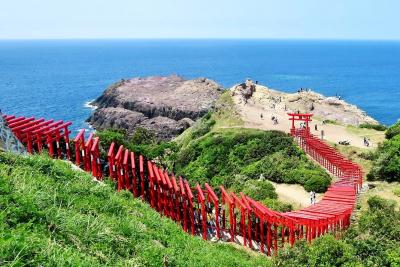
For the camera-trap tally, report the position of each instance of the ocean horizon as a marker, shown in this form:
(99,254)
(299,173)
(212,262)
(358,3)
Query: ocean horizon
(57,78)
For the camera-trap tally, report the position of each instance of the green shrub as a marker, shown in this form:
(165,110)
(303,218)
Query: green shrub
(203,127)
(386,166)
(377,235)
(317,183)
(296,256)
(108,136)
(330,121)
(259,190)
(378,127)
(378,203)
(277,205)
(393,130)
(393,256)
(374,241)
(142,136)
(327,251)
(218,156)
(396,191)
(369,155)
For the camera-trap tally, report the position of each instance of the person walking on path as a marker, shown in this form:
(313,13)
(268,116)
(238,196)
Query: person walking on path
(314,197)
(322,134)
(366,142)
(311,197)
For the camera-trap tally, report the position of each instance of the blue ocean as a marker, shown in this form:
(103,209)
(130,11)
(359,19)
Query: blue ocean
(54,79)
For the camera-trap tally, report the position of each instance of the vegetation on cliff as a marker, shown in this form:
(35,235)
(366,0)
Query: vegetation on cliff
(238,158)
(373,241)
(393,130)
(219,155)
(51,215)
(386,160)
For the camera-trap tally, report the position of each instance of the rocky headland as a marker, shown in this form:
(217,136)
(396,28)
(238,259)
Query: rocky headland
(303,101)
(165,105)
(169,105)
(264,108)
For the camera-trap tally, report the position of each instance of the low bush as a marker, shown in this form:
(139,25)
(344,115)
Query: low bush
(259,189)
(396,191)
(378,127)
(386,166)
(317,183)
(142,136)
(330,122)
(108,136)
(374,241)
(386,159)
(277,205)
(218,156)
(393,130)
(142,141)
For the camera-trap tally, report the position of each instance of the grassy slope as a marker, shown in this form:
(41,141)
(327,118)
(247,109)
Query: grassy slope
(357,155)
(219,154)
(373,135)
(52,215)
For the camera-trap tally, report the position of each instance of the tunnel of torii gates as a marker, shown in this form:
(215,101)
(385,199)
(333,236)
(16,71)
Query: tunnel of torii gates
(203,210)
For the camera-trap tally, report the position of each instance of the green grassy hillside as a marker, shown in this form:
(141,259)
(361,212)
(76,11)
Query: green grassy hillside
(51,215)
(219,155)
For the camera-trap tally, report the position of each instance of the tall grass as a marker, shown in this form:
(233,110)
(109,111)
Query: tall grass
(51,215)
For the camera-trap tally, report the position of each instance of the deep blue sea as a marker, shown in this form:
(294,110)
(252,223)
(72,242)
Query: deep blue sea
(54,79)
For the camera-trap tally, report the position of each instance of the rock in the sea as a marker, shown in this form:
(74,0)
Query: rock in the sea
(165,105)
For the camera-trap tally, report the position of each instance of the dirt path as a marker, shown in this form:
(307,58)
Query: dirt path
(294,194)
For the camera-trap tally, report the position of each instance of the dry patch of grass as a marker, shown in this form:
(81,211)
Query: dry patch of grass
(357,155)
(225,113)
(375,136)
(389,191)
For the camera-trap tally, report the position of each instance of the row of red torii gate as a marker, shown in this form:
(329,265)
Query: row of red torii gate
(206,211)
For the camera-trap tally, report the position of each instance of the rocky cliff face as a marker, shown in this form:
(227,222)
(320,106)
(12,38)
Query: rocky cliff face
(165,105)
(8,141)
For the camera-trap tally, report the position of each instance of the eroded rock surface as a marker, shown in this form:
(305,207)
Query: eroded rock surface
(326,108)
(165,105)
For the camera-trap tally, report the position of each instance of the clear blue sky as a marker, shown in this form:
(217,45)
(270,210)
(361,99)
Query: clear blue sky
(316,19)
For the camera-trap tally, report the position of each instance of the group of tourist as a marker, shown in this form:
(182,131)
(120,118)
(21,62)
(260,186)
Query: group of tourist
(274,119)
(303,90)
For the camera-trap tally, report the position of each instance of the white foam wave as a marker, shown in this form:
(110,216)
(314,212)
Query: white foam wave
(88,104)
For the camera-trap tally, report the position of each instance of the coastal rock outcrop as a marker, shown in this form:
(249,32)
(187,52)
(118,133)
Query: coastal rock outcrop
(165,105)
(306,101)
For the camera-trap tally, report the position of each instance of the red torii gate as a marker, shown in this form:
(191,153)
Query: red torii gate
(306,117)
